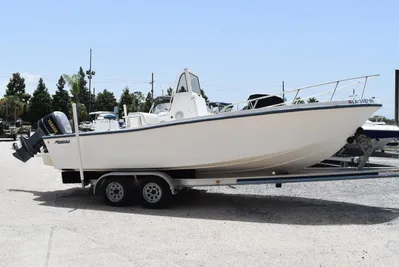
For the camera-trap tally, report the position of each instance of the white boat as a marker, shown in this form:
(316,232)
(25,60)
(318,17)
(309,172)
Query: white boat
(101,121)
(375,133)
(280,138)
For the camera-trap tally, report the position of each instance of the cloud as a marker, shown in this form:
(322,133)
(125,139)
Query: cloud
(30,78)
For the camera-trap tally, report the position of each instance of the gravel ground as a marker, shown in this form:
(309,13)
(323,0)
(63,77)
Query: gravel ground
(343,223)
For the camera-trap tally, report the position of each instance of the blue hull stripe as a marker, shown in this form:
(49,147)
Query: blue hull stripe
(382,134)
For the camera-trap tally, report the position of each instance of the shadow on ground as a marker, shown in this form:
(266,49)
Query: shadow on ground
(246,208)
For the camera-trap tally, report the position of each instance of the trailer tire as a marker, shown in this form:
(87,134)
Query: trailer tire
(117,191)
(155,193)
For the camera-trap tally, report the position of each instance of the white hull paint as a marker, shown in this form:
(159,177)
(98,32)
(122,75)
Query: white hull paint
(283,141)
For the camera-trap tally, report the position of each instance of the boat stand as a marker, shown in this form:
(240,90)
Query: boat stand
(366,145)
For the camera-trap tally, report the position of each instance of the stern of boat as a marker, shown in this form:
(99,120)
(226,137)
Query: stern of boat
(46,158)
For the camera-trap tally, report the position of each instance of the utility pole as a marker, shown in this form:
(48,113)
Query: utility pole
(152,86)
(90,75)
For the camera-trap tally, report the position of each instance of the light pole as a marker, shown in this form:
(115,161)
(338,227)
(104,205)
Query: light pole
(90,73)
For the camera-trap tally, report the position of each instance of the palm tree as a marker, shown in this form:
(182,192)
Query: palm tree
(298,100)
(312,100)
(73,82)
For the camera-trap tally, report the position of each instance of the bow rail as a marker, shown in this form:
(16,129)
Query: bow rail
(251,103)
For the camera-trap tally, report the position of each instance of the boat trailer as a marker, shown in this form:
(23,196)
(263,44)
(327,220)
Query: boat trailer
(155,188)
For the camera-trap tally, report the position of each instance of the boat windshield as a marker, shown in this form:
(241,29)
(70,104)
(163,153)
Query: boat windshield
(161,108)
(182,85)
(195,84)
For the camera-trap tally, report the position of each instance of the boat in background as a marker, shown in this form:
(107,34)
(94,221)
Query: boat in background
(371,136)
(278,138)
(100,121)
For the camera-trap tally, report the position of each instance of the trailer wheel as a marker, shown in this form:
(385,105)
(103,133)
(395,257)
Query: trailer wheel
(118,191)
(155,193)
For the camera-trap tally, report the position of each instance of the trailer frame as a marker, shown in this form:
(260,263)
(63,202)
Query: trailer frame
(130,184)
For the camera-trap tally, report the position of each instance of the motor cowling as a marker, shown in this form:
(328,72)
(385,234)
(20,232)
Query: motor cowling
(55,123)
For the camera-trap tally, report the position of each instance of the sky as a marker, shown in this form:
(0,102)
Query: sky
(235,47)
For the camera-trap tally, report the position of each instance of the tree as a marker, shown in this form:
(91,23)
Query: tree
(312,100)
(82,112)
(138,101)
(73,83)
(169,91)
(16,90)
(148,103)
(126,99)
(40,104)
(16,86)
(93,102)
(204,96)
(61,97)
(11,108)
(106,101)
(379,118)
(84,94)
(298,100)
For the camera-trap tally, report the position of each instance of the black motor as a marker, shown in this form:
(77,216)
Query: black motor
(55,123)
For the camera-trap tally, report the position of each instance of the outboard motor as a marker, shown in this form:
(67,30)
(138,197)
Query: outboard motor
(55,123)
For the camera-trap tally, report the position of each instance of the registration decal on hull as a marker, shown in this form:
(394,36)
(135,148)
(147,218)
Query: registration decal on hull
(60,142)
(361,101)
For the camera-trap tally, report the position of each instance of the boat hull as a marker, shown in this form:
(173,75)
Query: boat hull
(281,139)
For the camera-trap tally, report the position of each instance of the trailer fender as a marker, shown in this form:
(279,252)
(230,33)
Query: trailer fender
(172,184)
